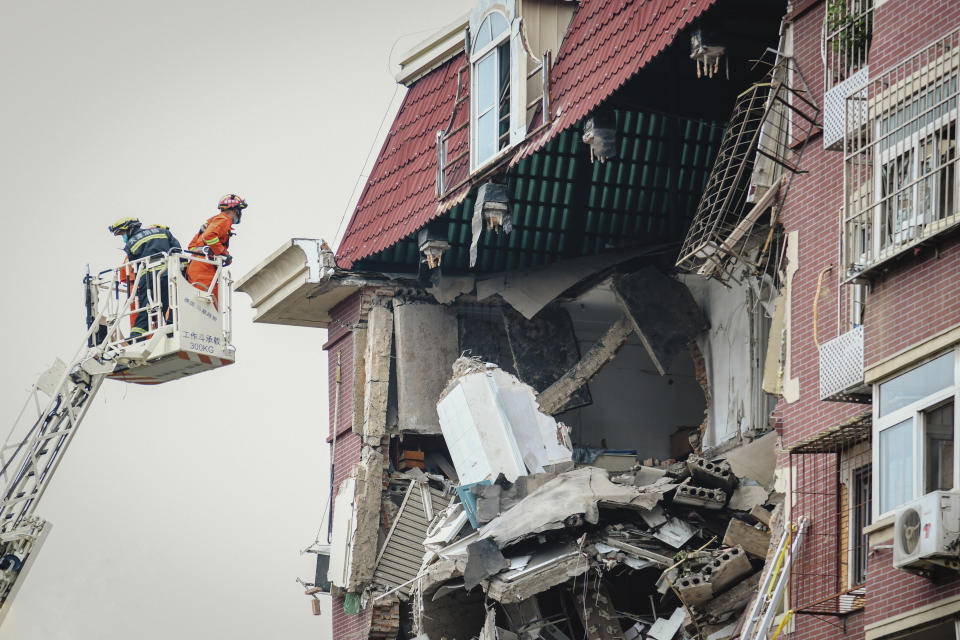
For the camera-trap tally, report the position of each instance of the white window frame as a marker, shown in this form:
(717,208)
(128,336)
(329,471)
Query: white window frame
(476,56)
(915,412)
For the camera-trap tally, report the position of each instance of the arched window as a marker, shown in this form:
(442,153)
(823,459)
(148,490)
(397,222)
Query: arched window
(490,62)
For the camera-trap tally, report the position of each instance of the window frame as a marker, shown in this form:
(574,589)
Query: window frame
(915,413)
(476,56)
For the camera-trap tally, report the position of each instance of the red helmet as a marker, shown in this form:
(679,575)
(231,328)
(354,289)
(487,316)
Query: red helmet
(232,201)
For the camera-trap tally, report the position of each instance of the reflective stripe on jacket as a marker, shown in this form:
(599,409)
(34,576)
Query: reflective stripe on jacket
(215,233)
(150,241)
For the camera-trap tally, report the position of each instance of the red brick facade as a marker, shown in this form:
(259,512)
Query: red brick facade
(913,300)
(340,341)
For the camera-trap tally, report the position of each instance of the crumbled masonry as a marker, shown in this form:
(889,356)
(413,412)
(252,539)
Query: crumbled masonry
(533,545)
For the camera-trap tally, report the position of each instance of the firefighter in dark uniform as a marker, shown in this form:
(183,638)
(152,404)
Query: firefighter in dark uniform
(141,242)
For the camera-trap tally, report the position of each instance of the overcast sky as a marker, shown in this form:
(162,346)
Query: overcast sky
(180,510)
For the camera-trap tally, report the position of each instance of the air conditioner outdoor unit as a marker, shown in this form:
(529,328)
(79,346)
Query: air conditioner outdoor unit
(927,532)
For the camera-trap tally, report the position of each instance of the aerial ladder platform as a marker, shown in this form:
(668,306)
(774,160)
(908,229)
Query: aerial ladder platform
(193,335)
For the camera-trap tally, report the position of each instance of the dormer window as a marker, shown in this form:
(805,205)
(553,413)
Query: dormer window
(490,64)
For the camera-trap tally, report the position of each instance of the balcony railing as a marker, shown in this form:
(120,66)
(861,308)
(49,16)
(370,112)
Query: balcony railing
(841,368)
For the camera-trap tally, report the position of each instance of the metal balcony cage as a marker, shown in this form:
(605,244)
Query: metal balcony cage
(831,480)
(900,158)
(845,48)
(752,172)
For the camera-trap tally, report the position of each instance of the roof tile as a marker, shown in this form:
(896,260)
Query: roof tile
(606,43)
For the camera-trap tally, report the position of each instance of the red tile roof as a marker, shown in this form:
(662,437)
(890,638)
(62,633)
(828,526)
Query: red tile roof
(400,194)
(607,42)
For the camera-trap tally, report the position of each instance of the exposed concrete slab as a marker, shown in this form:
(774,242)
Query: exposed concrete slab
(547,568)
(746,497)
(426,340)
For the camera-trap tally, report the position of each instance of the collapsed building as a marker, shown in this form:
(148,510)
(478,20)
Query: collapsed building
(556,328)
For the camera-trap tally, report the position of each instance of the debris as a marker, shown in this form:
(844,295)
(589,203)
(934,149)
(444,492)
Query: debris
(728,568)
(557,395)
(546,568)
(731,602)
(656,558)
(761,514)
(577,492)
(599,618)
(483,560)
(754,541)
(747,497)
(492,425)
(675,532)
(700,497)
(711,474)
(694,589)
(667,628)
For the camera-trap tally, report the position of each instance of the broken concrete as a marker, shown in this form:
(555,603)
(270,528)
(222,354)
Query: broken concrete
(483,560)
(378,365)
(546,568)
(711,474)
(702,497)
(753,540)
(727,569)
(578,492)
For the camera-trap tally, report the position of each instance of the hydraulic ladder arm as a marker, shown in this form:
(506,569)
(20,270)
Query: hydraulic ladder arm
(191,336)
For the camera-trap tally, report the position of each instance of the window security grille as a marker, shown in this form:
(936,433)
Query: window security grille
(900,156)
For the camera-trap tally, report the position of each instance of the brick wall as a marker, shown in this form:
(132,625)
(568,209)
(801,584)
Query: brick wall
(913,300)
(340,341)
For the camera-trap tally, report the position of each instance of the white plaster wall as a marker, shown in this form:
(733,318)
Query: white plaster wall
(733,349)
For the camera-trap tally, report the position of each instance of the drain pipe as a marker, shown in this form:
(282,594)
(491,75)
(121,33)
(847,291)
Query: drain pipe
(333,447)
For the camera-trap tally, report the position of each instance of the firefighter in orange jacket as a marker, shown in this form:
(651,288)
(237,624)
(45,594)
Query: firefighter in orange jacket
(213,239)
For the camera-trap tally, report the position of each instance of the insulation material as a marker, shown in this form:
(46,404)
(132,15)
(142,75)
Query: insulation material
(492,424)
(426,342)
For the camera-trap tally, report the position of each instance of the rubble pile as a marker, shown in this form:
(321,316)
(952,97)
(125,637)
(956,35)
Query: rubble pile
(535,546)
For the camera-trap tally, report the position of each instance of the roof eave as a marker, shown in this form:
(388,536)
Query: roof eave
(433,52)
(296,285)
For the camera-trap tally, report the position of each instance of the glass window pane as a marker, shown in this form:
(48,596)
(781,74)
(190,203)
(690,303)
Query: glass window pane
(914,385)
(896,465)
(498,24)
(486,82)
(490,29)
(483,34)
(938,448)
(486,135)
